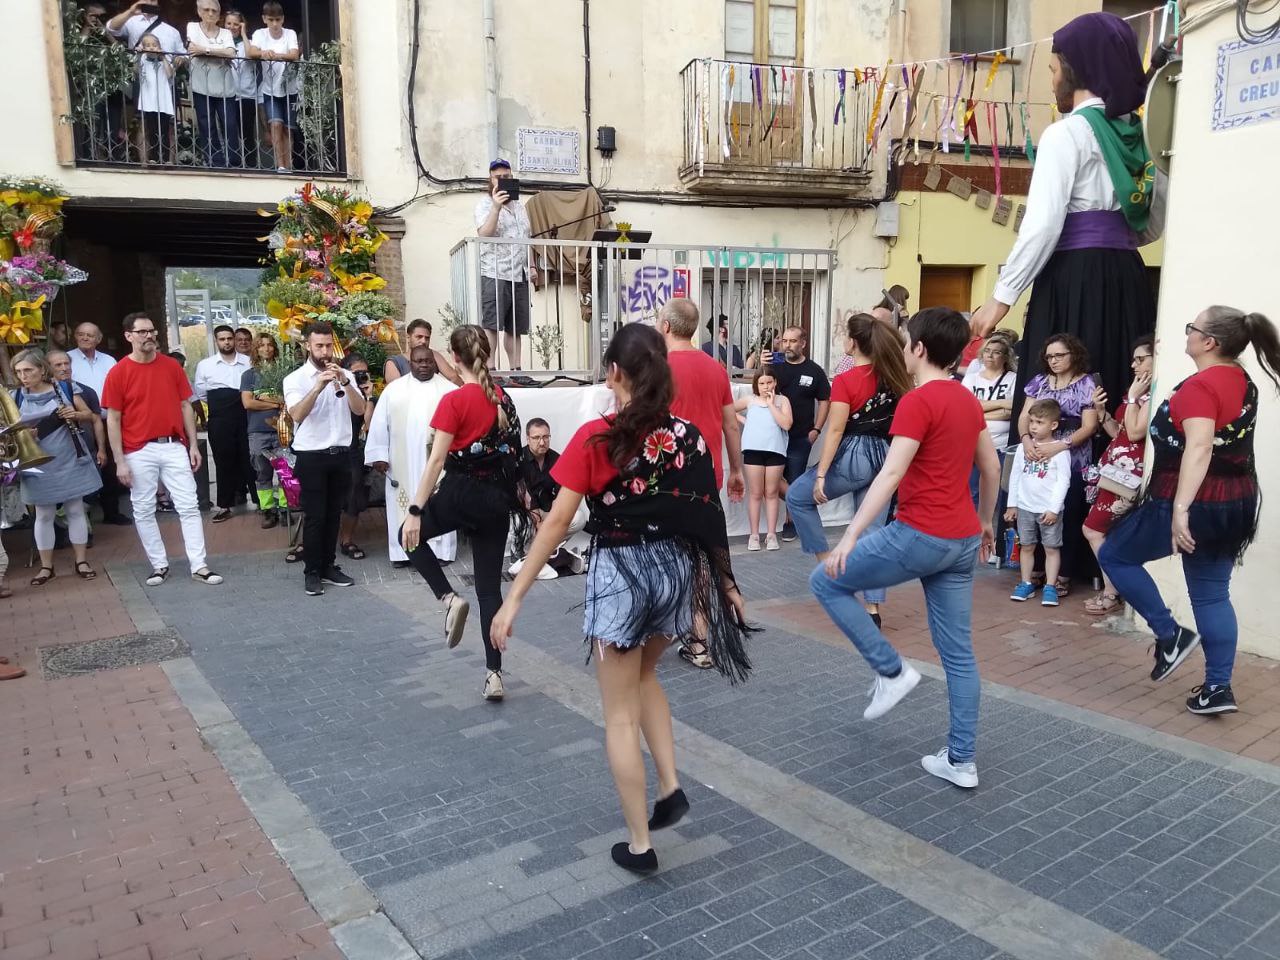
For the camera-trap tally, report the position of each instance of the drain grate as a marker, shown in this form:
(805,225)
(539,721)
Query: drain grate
(77,659)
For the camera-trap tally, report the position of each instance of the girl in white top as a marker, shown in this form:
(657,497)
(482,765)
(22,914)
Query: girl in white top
(213,86)
(155,99)
(278,47)
(766,417)
(992,384)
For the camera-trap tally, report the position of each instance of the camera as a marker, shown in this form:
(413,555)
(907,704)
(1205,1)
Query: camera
(361,376)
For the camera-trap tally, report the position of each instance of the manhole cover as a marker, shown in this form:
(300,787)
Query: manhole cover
(75,659)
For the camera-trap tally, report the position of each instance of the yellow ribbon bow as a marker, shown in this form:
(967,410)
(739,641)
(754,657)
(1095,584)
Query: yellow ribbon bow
(23,316)
(289,319)
(360,282)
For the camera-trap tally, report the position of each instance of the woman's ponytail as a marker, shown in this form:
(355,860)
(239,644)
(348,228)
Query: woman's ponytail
(1266,344)
(1234,330)
(471,345)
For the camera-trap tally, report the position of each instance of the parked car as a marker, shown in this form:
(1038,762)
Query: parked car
(257,320)
(192,320)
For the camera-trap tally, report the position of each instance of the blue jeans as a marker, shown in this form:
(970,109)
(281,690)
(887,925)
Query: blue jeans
(856,463)
(1146,535)
(895,554)
(798,450)
(218,122)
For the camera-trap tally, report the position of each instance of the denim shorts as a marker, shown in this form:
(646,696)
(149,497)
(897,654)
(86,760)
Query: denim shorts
(623,615)
(281,109)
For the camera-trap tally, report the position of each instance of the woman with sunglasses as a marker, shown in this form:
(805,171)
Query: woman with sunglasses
(1065,378)
(1118,481)
(1202,500)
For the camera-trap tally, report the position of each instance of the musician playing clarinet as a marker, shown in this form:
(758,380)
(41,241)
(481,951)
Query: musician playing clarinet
(321,398)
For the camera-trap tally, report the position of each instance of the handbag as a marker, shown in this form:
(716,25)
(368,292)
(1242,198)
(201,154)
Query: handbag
(1123,484)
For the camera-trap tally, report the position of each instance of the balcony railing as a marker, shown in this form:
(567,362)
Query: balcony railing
(157,110)
(753,127)
(586,290)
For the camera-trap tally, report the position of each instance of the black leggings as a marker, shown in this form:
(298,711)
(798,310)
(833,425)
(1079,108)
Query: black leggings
(482,510)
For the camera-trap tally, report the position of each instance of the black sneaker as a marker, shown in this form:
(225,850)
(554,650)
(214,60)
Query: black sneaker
(221,515)
(1171,653)
(314,587)
(1206,701)
(335,576)
(788,532)
(269,519)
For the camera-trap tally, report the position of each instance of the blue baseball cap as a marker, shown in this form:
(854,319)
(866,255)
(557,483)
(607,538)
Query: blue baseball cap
(494,165)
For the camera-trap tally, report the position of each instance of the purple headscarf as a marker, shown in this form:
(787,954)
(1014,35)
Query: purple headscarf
(1103,52)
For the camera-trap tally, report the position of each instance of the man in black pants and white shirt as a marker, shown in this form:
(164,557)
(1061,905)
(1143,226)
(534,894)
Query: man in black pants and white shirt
(217,383)
(321,399)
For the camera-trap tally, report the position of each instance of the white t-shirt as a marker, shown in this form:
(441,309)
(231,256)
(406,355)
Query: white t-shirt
(245,72)
(277,80)
(136,26)
(211,76)
(987,389)
(155,84)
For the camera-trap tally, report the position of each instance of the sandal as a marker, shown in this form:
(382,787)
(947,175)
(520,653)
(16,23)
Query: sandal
(88,573)
(352,551)
(1062,585)
(695,652)
(294,554)
(39,580)
(1102,604)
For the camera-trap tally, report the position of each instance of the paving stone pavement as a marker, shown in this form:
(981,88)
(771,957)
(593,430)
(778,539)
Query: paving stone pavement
(483,829)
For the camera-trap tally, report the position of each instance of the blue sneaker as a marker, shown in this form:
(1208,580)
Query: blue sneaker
(1025,591)
(1050,596)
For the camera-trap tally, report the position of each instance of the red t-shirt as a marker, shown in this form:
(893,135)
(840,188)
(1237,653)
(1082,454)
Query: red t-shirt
(1215,393)
(466,413)
(971,352)
(149,397)
(584,467)
(702,393)
(855,386)
(934,496)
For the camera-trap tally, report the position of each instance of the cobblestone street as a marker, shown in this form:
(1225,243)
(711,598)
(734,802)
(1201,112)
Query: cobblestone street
(321,777)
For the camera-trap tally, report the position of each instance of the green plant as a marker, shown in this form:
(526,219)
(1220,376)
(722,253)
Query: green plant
(271,375)
(449,319)
(96,68)
(548,341)
(372,306)
(318,104)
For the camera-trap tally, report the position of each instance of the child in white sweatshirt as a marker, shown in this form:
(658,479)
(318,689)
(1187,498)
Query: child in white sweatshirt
(1037,491)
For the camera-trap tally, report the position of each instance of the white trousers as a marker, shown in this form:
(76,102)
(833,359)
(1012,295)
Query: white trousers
(166,463)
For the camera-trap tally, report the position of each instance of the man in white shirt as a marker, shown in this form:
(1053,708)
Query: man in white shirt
(217,383)
(90,366)
(321,399)
(505,268)
(142,18)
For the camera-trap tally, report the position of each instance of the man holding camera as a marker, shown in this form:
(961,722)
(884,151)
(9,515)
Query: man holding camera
(322,398)
(505,268)
(139,19)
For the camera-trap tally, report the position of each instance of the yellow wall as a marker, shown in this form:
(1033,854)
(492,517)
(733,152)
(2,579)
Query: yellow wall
(937,229)
(1221,250)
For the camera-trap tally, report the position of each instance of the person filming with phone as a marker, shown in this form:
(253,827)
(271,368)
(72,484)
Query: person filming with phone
(141,19)
(322,399)
(505,268)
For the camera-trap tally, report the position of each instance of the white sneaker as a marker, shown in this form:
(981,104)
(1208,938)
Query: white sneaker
(577,562)
(771,542)
(961,774)
(548,572)
(753,542)
(887,691)
(516,567)
(493,686)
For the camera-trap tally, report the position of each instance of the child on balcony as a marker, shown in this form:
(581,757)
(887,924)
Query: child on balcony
(155,100)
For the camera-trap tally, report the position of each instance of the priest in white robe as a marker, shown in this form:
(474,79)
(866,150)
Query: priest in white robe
(399,440)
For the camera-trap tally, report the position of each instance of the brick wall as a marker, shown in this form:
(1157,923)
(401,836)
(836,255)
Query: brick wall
(1014,181)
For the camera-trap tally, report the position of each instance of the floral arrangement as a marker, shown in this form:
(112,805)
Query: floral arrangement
(30,211)
(42,273)
(322,251)
(20,309)
(548,341)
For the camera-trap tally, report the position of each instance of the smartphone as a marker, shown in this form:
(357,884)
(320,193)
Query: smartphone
(150,9)
(511,186)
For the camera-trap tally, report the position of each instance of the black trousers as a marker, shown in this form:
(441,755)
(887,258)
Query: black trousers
(112,489)
(325,480)
(229,443)
(483,511)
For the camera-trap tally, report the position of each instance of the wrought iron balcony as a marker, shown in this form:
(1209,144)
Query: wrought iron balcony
(135,109)
(773,129)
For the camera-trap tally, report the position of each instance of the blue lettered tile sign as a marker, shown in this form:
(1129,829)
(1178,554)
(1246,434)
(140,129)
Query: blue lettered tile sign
(1248,84)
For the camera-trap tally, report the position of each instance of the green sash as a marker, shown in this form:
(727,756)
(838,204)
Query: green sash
(1125,152)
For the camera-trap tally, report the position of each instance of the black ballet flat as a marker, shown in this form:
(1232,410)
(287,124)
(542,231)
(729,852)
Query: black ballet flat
(875,618)
(669,811)
(645,862)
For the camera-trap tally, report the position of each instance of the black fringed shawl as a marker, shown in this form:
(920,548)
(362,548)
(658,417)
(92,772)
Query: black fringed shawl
(495,458)
(1224,514)
(665,501)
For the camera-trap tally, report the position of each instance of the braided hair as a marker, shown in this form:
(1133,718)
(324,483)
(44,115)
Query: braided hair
(471,346)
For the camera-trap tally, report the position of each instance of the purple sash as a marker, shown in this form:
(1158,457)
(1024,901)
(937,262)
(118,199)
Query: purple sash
(1097,230)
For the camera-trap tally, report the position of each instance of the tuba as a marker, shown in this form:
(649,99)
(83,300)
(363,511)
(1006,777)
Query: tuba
(17,445)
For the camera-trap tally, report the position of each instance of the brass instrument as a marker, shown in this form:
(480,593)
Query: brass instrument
(16,441)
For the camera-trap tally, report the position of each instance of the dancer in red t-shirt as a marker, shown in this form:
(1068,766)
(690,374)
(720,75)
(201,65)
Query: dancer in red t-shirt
(658,529)
(939,434)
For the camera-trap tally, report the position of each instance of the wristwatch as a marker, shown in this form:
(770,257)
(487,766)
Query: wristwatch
(415,510)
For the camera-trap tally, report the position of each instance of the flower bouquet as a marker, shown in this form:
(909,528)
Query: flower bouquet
(44,274)
(30,213)
(21,304)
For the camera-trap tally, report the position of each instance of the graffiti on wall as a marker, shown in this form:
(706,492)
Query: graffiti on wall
(649,289)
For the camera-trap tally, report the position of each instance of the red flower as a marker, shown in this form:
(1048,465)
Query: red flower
(307,190)
(657,443)
(637,485)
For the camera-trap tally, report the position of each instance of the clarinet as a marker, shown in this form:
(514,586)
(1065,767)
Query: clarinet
(77,435)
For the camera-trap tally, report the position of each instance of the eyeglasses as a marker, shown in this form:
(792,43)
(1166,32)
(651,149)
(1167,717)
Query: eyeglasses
(1139,357)
(143,333)
(1056,356)
(1192,326)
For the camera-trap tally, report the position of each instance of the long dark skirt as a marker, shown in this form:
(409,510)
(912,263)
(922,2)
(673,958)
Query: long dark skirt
(1101,296)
